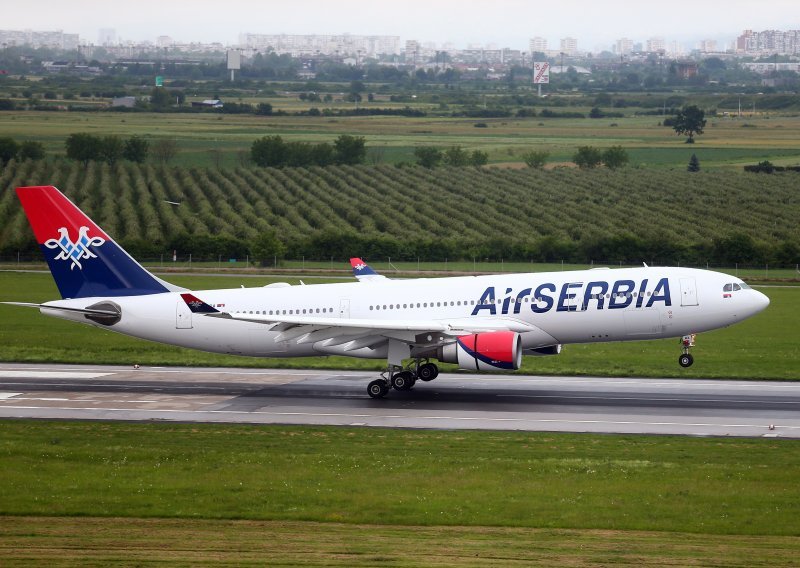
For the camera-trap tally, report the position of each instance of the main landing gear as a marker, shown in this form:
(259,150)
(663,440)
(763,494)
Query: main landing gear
(686,359)
(402,379)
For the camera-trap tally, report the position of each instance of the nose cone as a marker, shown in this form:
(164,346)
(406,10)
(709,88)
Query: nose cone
(761,301)
(756,302)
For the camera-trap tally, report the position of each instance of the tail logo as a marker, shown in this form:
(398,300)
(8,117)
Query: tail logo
(74,251)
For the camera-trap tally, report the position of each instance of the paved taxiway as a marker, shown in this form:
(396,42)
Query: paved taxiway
(452,401)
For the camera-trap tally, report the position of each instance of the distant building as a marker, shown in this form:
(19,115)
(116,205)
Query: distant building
(106,36)
(537,44)
(54,39)
(569,45)
(315,45)
(708,46)
(623,46)
(769,42)
(208,103)
(127,102)
(413,52)
(656,45)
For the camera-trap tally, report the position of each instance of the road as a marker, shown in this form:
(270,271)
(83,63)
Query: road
(452,401)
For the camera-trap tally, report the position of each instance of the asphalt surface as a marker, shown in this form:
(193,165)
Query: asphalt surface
(452,401)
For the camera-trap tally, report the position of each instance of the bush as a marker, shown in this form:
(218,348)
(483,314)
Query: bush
(587,157)
(428,156)
(615,157)
(31,150)
(536,158)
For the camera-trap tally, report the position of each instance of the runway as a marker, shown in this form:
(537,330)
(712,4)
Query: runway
(452,401)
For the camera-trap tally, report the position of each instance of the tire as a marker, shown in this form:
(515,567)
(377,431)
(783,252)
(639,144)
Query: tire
(377,389)
(427,372)
(403,381)
(685,360)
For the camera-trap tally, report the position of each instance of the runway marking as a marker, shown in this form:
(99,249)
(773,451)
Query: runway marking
(570,397)
(398,416)
(35,374)
(7,395)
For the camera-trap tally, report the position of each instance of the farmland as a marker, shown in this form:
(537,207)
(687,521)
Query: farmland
(378,211)
(204,139)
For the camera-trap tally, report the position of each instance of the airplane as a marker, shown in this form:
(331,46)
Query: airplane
(480,323)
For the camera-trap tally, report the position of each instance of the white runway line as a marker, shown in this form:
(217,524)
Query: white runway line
(35,374)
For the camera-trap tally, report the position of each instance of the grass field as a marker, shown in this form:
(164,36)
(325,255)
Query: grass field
(767,346)
(348,496)
(725,143)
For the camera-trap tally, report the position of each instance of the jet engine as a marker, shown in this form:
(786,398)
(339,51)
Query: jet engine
(490,351)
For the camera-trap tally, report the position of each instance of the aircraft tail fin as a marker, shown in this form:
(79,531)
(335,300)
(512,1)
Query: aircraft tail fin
(363,272)
(83,259)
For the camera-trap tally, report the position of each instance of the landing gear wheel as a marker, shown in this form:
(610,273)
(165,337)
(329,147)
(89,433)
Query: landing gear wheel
(685,360)
(377,388)
(427,372)
(403,381)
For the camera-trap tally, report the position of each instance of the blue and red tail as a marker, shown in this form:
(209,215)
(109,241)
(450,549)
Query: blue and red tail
(84,260)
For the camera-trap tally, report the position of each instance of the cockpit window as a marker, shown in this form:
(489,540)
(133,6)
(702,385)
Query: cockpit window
(727,288)
(745,286)
(736,287)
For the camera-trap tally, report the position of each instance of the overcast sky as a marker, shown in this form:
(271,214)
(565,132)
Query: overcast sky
(507,23)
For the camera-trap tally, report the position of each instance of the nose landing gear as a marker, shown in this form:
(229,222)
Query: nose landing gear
(686,359)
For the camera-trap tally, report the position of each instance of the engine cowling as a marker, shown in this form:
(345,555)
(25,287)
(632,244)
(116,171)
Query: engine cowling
(491,351)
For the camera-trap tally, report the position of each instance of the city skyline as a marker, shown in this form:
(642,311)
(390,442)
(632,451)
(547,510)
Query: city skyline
(507,23)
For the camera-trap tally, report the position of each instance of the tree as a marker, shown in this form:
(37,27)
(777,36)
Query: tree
(160,98)
(264,109)
(136,149)
(83,147)
(269,151)
(456,156)
(428,156)
(8,149)
(267,247)
(689,121)
(111,149)
(694,164)
(31,150)
(164,150)
(349,150)
(587,157)
(615,157)
(478,158)
(536,158)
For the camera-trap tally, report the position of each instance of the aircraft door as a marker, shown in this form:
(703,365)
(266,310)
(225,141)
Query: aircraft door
(688,292)
(344,308)
(183,315)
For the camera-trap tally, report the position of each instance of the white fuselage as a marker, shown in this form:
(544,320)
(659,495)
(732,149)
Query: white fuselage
(556,307)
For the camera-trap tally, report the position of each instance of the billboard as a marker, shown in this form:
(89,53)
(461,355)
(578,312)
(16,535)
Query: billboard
(541,73)
(234,59)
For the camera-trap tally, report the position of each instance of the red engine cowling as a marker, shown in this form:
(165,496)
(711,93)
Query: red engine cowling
(491,351)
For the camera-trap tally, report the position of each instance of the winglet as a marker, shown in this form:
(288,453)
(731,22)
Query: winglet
(362,271)
(198,306)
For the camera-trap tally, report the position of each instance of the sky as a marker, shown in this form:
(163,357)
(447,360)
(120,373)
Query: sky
(507,23)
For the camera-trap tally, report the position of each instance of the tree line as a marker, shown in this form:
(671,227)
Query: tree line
(274,151)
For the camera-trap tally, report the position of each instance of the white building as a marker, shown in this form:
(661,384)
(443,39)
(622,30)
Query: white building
(537,44)
(569,45)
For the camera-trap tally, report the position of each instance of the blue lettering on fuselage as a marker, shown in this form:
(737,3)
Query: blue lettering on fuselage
(620,294)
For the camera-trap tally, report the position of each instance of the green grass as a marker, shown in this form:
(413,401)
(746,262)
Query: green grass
(400,477)
(724,144)
(766,346)
(92,541)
